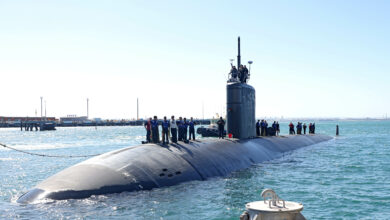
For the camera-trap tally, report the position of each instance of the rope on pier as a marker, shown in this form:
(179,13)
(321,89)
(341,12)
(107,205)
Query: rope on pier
(47,155)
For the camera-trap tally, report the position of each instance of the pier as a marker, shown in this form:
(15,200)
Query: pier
(37,125)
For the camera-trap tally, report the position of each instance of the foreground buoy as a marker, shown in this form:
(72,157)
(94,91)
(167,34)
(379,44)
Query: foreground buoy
(272,208)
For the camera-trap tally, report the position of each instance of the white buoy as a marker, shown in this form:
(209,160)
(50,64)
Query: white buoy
(272,208)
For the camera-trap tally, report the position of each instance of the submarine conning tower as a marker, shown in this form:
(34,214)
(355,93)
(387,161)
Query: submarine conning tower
(240,106)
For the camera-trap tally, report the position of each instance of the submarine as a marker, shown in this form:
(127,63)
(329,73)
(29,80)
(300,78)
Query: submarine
(149,166)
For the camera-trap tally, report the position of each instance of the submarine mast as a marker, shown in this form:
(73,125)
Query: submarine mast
(239,54)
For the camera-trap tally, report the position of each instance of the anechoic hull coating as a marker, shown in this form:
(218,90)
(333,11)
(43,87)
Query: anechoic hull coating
(150,166)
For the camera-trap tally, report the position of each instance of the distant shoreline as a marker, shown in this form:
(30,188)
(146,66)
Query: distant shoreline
(111,123)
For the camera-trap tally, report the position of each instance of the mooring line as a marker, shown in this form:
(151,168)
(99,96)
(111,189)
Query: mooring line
(47,155)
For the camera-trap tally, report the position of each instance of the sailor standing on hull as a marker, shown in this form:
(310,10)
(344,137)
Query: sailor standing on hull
(173,126)
(185,126)
(192,129)
(274,126)
(155,133)
(291,126)
(148,127)
(258,128)
(299,128)
(262,127)
(165,131)
(221,128)
(180,126)
(314,128)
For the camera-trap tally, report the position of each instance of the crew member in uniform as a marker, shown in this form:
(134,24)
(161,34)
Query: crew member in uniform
(165,131)
(245,71)
(148,128)
(192,129)
(180,126)
(234,73)
(173,126)
(185,126)
(274,126)
(221,128)
(299,128)
(314,128)
(263,128)
(258,128)
(291,126)
(241,73)
(155,133)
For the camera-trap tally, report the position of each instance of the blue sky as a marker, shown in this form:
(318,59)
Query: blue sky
(311,58)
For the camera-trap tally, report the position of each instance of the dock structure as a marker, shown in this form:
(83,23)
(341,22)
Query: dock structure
(28,123)
(37,125)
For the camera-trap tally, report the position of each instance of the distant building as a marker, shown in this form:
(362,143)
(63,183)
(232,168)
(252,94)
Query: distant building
(73,119)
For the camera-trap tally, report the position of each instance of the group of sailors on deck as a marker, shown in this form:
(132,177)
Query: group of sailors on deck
(176,130)
(263,130)
(312,128)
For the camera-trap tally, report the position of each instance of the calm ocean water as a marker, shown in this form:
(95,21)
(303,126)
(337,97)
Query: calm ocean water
(345,178)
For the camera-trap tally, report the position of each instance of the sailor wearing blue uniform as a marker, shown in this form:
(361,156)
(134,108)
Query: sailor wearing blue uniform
(165,131)
(300,128)
(221,128)
(262,132)
(180,126)
(173,126)
(234,73)
(185,128)
(314,128)
(192,129)
(258,128)
(155,133)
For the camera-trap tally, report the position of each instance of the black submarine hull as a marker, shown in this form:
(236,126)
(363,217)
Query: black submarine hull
(149,166)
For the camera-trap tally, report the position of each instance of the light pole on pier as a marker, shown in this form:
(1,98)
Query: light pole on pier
(137,110)
(87,108)
(41,107)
